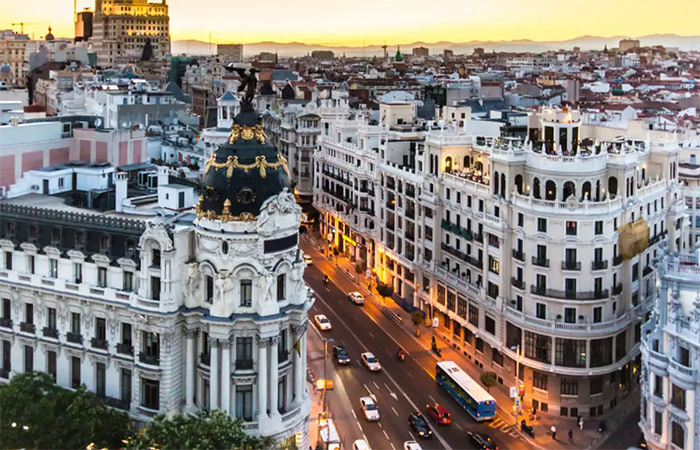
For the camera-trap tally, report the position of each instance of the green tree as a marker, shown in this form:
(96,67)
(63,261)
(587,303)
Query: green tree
(215,430)
(417,318)
(385,290)
(488,379)
(38,414)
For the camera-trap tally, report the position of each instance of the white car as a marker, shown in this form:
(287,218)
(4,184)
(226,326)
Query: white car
(360,444)
(369,409)
(372,363)
(307,259)
(322,322)
(356,298)
(412,445)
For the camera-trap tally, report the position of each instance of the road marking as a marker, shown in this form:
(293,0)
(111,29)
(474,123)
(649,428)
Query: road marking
(431,398)
(370,392)
(380,424)
(370,334)
(409,374)
(392,445)
(353,413)
(459,427)
(342,342)
(387,436)
(358,425)
(376,385)
(412,436)
(392,408)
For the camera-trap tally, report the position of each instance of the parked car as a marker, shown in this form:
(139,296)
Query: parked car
(438,413)
(369,409)
(482,441)
(371,362)
(341,355)
(322,322)
(418,423)
(360,444)
(356,298)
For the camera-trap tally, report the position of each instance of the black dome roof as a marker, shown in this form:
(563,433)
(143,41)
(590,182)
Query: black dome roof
(242,174)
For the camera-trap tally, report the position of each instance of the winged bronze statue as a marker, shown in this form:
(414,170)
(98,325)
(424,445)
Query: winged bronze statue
(248,83)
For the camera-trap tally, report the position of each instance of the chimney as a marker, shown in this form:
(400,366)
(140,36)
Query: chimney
(121,189)
(163,176)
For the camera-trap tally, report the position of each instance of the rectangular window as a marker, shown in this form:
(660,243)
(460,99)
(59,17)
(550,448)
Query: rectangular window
(571,228)
(29,313)
(244,402)
(601,352)
(541,310)
(684,356)
(678,435)
(155,288)
(570,352)
(246,292)
(598,227)
(155,258)
(32,264)
(53,268)
(569,386)
(75,372)
(126,334)
(78,272)
(210,288)
(658,386)
(539,381)
(620,345)
(658,423)
(521,219)
(125,385)
(596,385)
(538,347)
(28,358)
(541,225)
(597,314)
(8,260)
(678,397)
(102,277)
(151,394)
(494,265)
(244,353)
(51,364)
(150,344)
(100,379)
(490,324)
(570,315)
(479,345)
(75,323)
(474,315)
(280,287)
(128,284)
(100,329)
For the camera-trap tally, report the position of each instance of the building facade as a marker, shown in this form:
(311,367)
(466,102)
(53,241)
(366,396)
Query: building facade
(689,174)
(121,28)
(12,47)
(670,404)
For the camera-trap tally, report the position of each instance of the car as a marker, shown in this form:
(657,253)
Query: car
(369,409)
(370,362)
(412,445)
(418,423)
(307,259)
(482,441)
(340,355)
(438,413)
(360,444)
(356,298)
(322,322)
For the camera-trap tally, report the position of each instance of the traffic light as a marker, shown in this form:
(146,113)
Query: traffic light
(583,357)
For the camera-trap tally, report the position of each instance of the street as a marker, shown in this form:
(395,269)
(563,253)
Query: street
(401,387)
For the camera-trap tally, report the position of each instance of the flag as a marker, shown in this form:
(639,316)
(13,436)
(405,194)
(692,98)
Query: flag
(297,346)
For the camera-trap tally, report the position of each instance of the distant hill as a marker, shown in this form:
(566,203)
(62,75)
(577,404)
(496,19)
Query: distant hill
(286,49)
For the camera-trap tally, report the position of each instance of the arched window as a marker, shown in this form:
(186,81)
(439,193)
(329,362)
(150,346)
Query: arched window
(448,164)
(466,162)
(495,183)
(597,190)
(536,188)
(519,183)
(569,190)
(503,184)
(612,186)
(586,193)
(479,166)
(550,191)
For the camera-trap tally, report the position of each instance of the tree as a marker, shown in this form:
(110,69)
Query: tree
(488,379)
(385,290)
(417,318)
(205,431)
(45,415)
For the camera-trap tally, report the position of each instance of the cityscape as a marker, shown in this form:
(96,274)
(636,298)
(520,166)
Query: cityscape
(471,227)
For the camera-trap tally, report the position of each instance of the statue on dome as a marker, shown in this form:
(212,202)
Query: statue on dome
(248,83)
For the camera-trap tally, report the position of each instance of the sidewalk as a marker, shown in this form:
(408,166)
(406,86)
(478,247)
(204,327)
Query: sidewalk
(587,438)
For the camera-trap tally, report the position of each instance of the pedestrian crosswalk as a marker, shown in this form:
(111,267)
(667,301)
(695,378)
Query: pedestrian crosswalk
(315,355)
(503,427)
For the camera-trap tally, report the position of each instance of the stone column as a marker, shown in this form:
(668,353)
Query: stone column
(262,380)
(190,368)
(274,376)
(302,358)
(214,374)
(299,335)
(226,375)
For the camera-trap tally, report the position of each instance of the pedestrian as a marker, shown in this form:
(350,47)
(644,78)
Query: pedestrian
(554,432)
(580,422)
(571,436)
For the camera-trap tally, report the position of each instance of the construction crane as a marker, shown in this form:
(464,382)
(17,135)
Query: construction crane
(22,24)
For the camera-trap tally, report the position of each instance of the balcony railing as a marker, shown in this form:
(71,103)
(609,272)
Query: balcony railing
(27,327)
(244,364)
(617,260)
(520,284)
(145,358)
(617,289)
(576,295)
(99,343)
(205,358)
(117,403)
(5,322)
(125,348)
(570,265)
(542,262)
(75,338)
(647,270)
(520,256)
(50,332)
(599,265)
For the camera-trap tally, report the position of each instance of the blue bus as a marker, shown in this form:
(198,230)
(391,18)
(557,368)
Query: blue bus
(467,392)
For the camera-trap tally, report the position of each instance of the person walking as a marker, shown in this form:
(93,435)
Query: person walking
(571,436)
(554,432)
(580,422)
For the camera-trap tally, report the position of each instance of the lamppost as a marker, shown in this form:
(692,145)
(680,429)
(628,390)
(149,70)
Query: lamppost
(325,380)
(516,399)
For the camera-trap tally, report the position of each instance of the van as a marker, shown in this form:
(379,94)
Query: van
(360,444)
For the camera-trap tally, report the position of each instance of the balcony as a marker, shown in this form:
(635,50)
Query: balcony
(541,262)
(599,265)
(569,295)
(479,238)
(75,338)
(27,327)
(570,265)
(125,348)
(520,284)
(617,289)
(152,360)
(5,322)
(680,372)
(5,373)
(617,260)
(520,256)
(647,270)
(99,343)
(244,364)
(50,332)
(205,358)
(117,403)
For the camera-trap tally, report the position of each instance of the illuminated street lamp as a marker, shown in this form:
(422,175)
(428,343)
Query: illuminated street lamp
(325,379)
(516,399)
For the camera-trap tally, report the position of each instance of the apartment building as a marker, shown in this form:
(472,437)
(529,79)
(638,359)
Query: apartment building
(689,174)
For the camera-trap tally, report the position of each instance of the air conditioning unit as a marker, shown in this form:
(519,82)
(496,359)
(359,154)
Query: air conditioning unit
(35,187)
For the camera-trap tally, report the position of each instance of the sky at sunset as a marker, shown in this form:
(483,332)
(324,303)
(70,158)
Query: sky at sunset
(354,22)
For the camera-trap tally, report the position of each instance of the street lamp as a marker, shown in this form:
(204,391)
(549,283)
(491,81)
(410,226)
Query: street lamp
(516,399)
(325,380)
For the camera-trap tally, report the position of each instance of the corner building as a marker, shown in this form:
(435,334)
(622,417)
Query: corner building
(186,312)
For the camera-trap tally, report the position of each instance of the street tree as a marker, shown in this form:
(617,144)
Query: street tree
(384,290)
(488,379)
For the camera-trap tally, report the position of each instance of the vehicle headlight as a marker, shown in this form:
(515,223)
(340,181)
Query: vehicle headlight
(421,433)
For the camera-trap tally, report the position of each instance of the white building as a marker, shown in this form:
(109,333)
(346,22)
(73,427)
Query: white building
(156,307)
(670,405)
(689,174)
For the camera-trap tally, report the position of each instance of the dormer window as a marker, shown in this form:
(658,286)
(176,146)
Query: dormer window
(155,258)
(104,243)
(80,239)
(33,232)
(56,236)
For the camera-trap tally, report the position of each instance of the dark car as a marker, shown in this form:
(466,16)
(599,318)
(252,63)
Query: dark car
(482,441)
(340,355)
(420,425)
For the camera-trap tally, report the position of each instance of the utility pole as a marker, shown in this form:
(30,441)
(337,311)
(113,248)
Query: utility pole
(325,380)
(516,399)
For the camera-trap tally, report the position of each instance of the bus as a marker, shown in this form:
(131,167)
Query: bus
(467,392)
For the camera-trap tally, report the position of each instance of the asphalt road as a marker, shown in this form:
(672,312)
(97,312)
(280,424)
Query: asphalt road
(401,387)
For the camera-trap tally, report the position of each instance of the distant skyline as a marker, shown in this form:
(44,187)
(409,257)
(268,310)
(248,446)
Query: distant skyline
(334,22)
